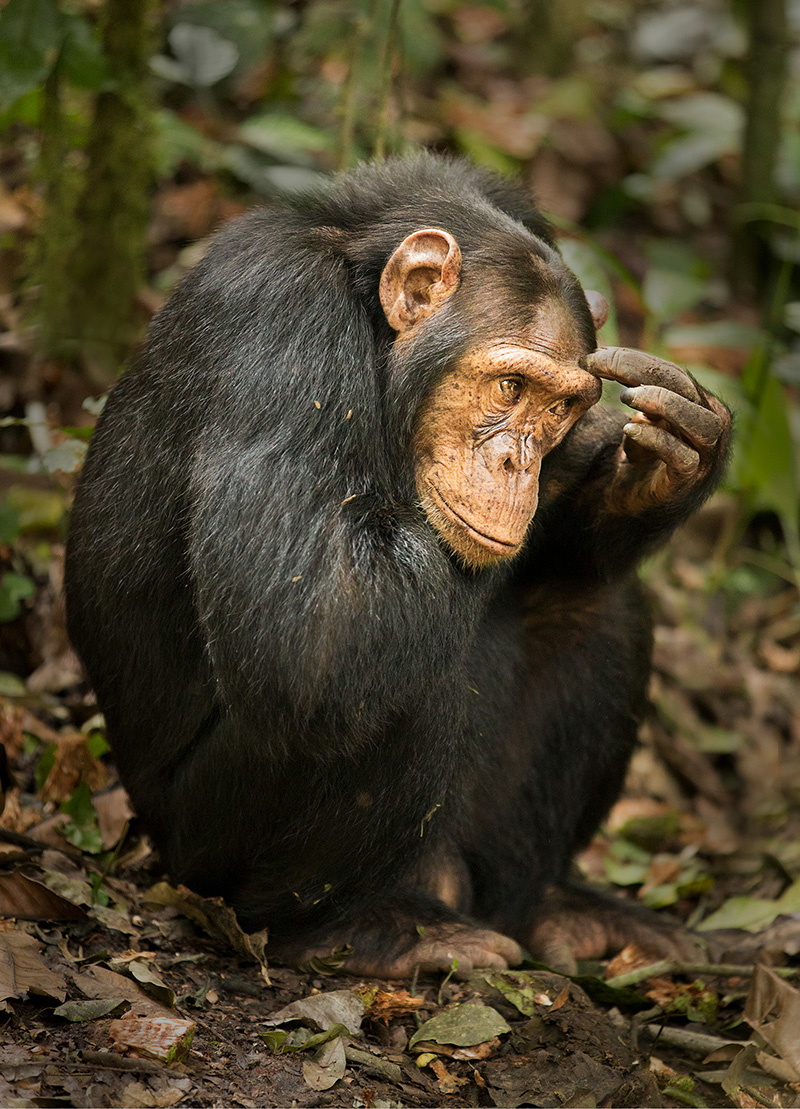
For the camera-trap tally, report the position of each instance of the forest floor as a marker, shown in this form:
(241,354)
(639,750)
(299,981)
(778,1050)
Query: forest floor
(119,991)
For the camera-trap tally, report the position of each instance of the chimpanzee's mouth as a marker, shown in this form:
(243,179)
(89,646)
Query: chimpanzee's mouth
(499,546)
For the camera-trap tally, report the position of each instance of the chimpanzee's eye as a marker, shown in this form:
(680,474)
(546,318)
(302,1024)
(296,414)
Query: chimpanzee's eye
(511,389)
(562,407)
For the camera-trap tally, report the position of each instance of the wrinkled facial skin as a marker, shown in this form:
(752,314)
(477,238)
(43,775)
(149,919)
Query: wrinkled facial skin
(483,432)
(480,441)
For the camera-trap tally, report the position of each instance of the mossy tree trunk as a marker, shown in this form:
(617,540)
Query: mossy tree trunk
(107,265)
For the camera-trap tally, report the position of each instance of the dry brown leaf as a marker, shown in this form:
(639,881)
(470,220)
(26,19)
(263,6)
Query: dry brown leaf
(24,898)
(138,1096)
(214,917)
(661,1070)
(16,816)
(663,991)
(114,814)
(189,211)
(743,1100)
(22,970)
(167,1039)
(783,660)
(635,808)
(386,1005)
(630,958)
(100,982)
(662,870)
(478,1051)
(14,210)
(73,764)
(15,721)
(448,1083)
(561,1000)
(773,1010)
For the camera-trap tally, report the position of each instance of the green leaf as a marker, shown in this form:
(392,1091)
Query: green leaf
(275,1039)
(14,588)
(39,509)
(477,147)
(465,1025)
(85,837)
(44,765)
(624,874)
(176,141)
(589,266)
(521,988)
(650,832)
(753,914)
(204,56)
(97,745)
(767,462)
(141,971)
(30,37)
(93,1009)
(9,523)
(82,54)
(301,1039)
(31,744)
(720,333)
(79,806)
(675,280)
(82,831)
(11,685)
(285,138)
(711,126)
(66,458)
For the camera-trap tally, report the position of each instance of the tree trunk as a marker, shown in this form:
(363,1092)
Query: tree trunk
(766,70)
(108,264)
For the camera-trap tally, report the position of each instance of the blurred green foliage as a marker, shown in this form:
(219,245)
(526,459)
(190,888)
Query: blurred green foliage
(638,108)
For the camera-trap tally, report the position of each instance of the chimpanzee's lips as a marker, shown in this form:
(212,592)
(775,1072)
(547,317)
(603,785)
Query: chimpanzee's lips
(499,546)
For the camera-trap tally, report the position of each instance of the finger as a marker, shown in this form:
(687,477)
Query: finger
(678,457)
(435,957)
(699,425)
(556,952)
(634,367)
(504,946)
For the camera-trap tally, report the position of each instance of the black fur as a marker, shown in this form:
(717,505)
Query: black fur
(308,698)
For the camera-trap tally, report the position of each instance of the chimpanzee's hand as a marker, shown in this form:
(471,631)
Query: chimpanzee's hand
(673,443)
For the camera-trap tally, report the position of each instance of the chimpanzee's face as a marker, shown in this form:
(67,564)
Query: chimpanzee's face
(482,433)
(480,441)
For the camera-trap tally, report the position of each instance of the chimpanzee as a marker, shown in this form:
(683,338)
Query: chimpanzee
(352,571)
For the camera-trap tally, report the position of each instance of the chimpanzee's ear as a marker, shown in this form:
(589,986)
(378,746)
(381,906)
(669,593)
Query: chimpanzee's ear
(598,306)
(419,277)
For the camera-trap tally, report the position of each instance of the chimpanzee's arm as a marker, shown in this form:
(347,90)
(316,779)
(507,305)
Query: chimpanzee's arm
(312,603)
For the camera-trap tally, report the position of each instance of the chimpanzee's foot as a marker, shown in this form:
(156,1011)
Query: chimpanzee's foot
(581,923)
(440,947)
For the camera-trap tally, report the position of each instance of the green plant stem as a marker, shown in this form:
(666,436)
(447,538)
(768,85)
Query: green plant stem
(362,26)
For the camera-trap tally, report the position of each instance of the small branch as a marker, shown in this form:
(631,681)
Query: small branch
(374,1064)
(113,1061)
(696,1043)
(669,966)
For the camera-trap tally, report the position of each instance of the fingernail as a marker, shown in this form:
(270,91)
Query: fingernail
(626,395)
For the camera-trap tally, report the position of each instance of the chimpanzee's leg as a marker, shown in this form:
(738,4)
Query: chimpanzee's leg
(305,845)
(565,671)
